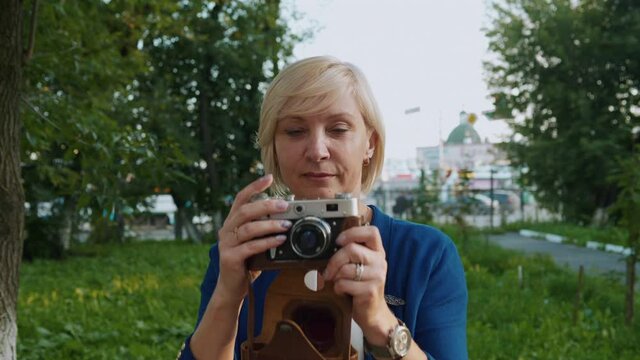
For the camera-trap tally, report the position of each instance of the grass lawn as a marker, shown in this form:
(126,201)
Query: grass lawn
(139,301)
(131,301)
(536,321)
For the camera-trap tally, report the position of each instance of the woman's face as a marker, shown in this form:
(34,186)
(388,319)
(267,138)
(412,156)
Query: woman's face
(322,155)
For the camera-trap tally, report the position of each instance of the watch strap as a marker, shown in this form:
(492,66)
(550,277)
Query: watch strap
(385,352)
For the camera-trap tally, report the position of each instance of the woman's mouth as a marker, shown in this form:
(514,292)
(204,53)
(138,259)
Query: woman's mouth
(318,175)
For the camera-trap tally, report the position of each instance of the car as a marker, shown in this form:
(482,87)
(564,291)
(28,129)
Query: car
(478,204)
(482,204)
(508,200)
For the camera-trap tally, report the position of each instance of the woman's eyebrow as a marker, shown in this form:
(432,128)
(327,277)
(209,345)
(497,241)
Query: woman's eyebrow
(341,115)
(291,118)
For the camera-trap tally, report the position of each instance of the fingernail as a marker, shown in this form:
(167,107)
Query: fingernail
(282,205)
(281,238)
(285,224)
(340,239)
(266,177)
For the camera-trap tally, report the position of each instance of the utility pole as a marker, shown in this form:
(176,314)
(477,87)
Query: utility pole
(491,172)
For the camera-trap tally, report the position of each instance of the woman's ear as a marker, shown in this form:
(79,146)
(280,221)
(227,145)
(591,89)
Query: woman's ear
(372,141)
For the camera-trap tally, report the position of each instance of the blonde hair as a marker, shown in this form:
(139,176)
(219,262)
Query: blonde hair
(308,87)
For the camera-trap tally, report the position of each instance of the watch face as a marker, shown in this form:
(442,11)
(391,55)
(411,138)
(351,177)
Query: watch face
(401,341)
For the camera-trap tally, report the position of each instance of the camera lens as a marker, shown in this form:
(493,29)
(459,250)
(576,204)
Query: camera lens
(308,240)
(309,237)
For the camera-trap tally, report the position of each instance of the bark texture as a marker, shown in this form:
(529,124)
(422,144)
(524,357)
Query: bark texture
(630,295)
(11,192)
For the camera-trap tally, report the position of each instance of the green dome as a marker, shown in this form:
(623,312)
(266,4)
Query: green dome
(464,134)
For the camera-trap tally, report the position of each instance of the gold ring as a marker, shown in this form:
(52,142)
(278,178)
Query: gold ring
(359,270)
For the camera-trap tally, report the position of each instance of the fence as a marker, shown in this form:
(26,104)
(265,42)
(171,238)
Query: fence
(476,207)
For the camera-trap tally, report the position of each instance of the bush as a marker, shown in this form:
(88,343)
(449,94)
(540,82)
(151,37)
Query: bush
(42,238)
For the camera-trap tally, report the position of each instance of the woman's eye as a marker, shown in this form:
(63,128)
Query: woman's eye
(294,132)
(339,130)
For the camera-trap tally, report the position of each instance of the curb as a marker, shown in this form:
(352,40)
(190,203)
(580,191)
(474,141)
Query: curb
(594,245)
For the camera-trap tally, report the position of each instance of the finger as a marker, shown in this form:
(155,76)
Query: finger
(253,188)
(258,229)
(353,288)
(255,211)
(350,272)
(351,253)
(368,236)
(254,247)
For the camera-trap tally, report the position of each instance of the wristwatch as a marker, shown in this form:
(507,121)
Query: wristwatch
(397,346)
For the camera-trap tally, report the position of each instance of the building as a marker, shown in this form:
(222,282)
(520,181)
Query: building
(463,149)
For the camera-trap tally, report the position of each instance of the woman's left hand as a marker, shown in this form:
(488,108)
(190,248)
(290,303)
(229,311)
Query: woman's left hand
(363,245)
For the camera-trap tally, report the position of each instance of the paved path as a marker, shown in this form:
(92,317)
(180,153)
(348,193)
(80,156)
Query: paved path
(595,262)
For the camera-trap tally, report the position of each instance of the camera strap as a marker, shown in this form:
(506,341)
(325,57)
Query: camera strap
(252,314)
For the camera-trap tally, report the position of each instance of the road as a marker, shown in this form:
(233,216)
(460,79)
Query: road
(595,262)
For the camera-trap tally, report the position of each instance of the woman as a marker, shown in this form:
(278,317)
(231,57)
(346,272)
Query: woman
(321,134)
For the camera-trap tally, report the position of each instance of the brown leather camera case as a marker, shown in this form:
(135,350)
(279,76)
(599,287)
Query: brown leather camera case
(282,338)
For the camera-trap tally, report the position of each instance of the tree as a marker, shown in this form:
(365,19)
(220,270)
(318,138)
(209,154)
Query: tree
(11,192)
(97,135)
(426,195)
(125,97)
(210,65)
(569,71)
(628,205)
(85,146)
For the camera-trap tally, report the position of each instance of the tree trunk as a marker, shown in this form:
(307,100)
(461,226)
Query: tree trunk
(177,217)
(68,224)
(177,224)
(192,232)
(629,298)
(207,145)
(11,192)
(631,278)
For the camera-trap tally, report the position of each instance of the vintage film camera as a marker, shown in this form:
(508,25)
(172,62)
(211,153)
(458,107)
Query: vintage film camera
(299,323)
(311,238)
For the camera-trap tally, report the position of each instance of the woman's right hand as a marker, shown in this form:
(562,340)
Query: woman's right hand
(245,233)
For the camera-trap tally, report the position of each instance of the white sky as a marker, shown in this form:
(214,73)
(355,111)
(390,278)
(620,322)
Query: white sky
(425,53)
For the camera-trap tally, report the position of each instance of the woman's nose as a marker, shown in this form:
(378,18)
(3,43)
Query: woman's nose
(317,148)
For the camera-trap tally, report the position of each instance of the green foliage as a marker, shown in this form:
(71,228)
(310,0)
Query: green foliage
(462,206)
(569,72)
(507,321)
(79,140)
(628,203)
(44,239)
(82,145)
(209,66)
(501,108)
(124,97)
(426,197)
(139,300)
(628,206)
(133,301)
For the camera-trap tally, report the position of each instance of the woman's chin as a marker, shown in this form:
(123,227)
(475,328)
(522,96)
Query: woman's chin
(316,193)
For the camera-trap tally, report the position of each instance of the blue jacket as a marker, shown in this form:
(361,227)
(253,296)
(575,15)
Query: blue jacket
(424,269)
